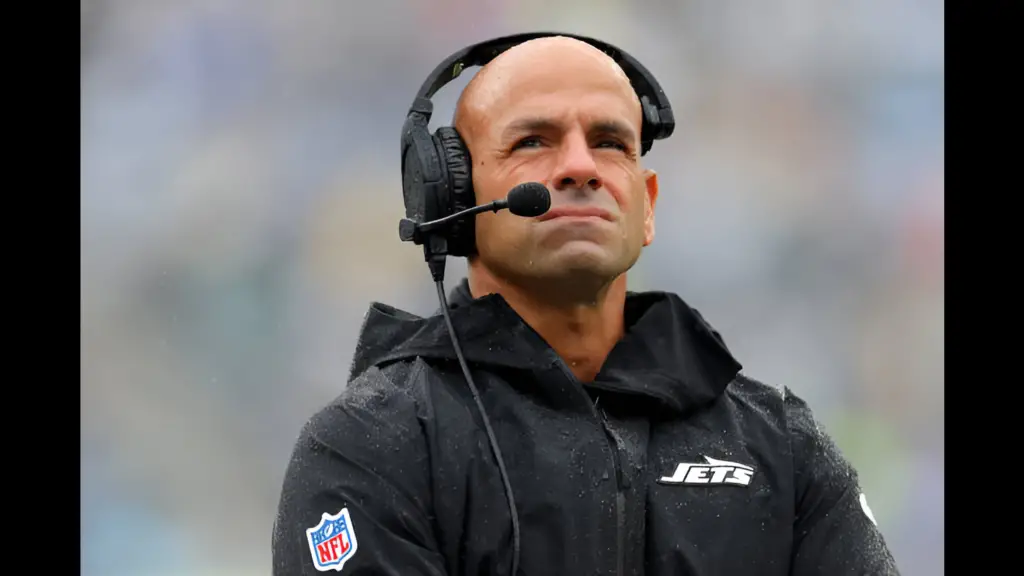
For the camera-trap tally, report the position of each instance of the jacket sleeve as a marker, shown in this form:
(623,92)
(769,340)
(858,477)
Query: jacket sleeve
(835,531)
(356,493)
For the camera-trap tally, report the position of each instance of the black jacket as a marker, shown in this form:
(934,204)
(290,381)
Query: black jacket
(671,462)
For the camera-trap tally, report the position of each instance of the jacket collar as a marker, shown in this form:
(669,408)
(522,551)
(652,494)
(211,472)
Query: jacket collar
(669,352)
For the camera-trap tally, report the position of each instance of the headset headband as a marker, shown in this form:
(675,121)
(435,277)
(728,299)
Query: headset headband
(658,119)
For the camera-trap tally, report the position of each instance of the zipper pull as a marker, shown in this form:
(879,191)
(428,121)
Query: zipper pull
(620,459)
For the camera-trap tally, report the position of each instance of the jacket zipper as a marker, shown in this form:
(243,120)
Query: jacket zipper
(620,480)
(620,495)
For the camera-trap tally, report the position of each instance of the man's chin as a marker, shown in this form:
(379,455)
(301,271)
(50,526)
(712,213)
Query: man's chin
(578,264)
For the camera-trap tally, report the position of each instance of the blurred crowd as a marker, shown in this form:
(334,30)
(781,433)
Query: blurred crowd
(240,201)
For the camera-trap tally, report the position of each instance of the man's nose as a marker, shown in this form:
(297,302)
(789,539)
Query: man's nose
(576,165)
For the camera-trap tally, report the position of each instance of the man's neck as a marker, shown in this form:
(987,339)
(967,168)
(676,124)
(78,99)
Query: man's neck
(582,333)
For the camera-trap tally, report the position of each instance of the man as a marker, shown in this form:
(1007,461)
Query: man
(632,443)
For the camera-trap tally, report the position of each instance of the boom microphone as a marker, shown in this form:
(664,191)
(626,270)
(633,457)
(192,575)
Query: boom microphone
(529,199)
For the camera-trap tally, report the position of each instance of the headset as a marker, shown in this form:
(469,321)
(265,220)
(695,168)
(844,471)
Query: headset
(437,184)
(437,179)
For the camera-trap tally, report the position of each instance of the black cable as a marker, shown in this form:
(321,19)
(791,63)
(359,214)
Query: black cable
(487,427)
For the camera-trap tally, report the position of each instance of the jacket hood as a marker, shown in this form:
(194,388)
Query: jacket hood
(668,353)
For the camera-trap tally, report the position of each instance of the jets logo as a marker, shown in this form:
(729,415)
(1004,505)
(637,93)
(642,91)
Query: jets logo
(867,509)
(719,472)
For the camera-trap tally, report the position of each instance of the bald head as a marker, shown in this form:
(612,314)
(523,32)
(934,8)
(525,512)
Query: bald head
(558,111)
(545,64)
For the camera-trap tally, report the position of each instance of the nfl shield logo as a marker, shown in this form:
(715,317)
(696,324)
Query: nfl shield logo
(332,542)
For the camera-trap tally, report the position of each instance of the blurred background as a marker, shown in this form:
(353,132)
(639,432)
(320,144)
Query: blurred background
(240,200)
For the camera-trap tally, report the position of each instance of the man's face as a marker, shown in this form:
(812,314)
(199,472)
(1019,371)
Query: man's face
(570,120)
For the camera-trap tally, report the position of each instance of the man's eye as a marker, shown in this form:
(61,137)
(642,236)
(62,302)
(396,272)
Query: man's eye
(528,142)
(612,144)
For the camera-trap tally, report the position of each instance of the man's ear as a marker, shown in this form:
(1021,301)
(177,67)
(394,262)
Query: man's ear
(650,199)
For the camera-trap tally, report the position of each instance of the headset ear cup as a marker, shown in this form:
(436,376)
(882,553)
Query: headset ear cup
(462,234)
